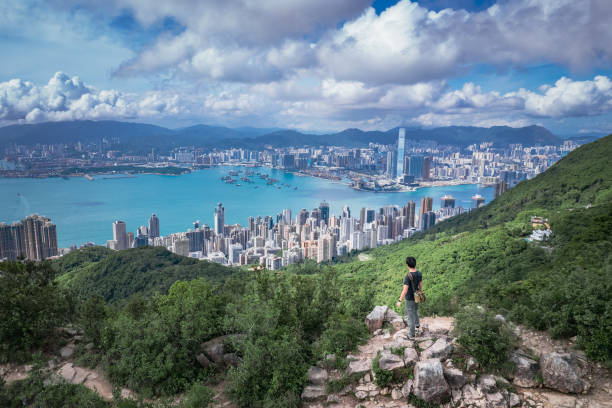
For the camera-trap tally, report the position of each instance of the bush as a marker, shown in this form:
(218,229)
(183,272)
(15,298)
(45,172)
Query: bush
(483,336)
(32,308)
(382,378)
(198,396)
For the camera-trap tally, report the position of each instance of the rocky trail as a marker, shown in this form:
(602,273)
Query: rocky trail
(549,373)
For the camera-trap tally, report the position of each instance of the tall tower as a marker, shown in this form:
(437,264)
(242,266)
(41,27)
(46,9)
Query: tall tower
(411,210)
(426,206)
(154,226)
(324,210)
(426,167)
(401,141)
(219,219)
(448,201)
(120,234)
(391,164)
(477,201)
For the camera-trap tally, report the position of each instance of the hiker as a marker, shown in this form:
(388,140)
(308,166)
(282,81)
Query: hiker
(412,281)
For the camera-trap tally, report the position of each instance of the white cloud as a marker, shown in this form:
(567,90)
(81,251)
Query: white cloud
(66,98)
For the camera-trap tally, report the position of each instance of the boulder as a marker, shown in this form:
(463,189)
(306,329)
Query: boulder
(375,319)
(560,371)
(396,394)
(392,315)
(333,399)
(407,388)
(454,377)
(441,349)
(203,360)
(330,360)
(67,372)
(389,361)
(359,367)
(425,344)
(526,370)
(496,400)
(487,384)
(429,382)
(410,356)
(313,392)
(398,324)
(513,400)
(231,360)
(67,351)
(317,375)
(214,349)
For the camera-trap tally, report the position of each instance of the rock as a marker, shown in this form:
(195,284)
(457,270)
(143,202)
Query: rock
(561,401)
(333,399)
(398,324)
(470,393)
(367,378)
(500,318)
(389,361)
(407,388)
(385,391)
(80,375)
(425,344)
(513,400)
(359,367)
(429,382)
(361,395)
(487,384)
(391,315)
(330,360)
(440,326)
(67,351)
(67,372)
(231,360)
(526,370)
(375,319)
(317,376)
(454,377)
(471,364)
(203,360)
(89,346)
(214,349)
(496,400)
(561,372)
(366,387)
(313,393)
(377,332)
(441,349)
(410,356)
(396,394)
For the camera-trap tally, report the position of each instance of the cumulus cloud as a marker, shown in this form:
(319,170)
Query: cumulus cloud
(66,98)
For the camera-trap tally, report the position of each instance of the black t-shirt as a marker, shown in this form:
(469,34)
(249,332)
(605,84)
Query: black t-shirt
(416,277)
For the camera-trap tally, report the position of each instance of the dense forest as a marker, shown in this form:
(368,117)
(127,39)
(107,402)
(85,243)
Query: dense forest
(146,311)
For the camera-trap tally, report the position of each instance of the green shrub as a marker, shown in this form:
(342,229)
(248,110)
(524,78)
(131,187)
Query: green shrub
(483,336)
(382,378)
(198,396)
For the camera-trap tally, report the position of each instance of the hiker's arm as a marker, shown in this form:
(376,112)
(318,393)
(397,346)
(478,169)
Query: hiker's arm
(402,296)
(421,285)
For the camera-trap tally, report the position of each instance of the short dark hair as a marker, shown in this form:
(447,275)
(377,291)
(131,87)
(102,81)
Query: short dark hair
(411,262)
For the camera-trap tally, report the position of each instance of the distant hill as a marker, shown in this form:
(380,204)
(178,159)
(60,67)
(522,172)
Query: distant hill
(117,275)
(143,137)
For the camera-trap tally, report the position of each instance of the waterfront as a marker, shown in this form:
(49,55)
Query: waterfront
(84,210)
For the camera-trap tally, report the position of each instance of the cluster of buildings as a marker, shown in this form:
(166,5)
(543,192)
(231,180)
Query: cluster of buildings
(275,242)
(33,238)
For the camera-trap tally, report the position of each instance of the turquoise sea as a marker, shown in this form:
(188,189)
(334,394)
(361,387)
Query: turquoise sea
(84,210)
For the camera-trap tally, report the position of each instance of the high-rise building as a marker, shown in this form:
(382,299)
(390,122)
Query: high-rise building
(428,220)
(154,226)
(408,211)
(33,238)
(302,216)
(324,211)
(219,219)
(391,164)
(448,201)
(426,206)
(415,166)
(426,167)
(477,201)
(120,235)
(370,215)
(346,212)
(500,188)
(401,142)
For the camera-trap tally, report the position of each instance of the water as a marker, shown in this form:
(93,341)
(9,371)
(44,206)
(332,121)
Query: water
(84,210)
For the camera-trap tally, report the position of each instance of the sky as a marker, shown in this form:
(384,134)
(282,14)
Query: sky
(310,65)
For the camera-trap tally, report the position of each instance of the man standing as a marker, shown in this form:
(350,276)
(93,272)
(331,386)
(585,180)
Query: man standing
(412,282)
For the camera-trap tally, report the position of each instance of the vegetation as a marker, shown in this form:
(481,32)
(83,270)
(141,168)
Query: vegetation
(117,275)
(482,336)
(382,378)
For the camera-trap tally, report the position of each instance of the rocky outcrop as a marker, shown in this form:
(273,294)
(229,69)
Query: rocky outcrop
(454,377)
(214,352)
(375,319)
(429,382)
(561,372)
(359,367)
(317,375)
(441,349)
(389,361)
(410,356)
(526,371)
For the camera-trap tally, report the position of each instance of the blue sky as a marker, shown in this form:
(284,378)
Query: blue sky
(310,64)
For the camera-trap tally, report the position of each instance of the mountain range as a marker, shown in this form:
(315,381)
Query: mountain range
(136,136)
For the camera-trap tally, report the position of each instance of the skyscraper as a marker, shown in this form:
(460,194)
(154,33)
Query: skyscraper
(416,164)
(401,141)
(391,164)
(219,219)
(500,188)
(409,213)
(448,201)
(302,216)
(120,235)
(426,167)
(428,220)
(324,210)
(477,201)
(34,238)
(426,206)
(154,226)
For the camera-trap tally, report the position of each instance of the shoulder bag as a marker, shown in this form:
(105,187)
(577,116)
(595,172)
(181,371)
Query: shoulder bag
(419,295)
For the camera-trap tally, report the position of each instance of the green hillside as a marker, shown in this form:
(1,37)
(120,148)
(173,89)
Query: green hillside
(117,275)
(563,285)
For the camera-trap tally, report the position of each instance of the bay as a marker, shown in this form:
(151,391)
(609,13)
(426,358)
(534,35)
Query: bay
(84,210)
